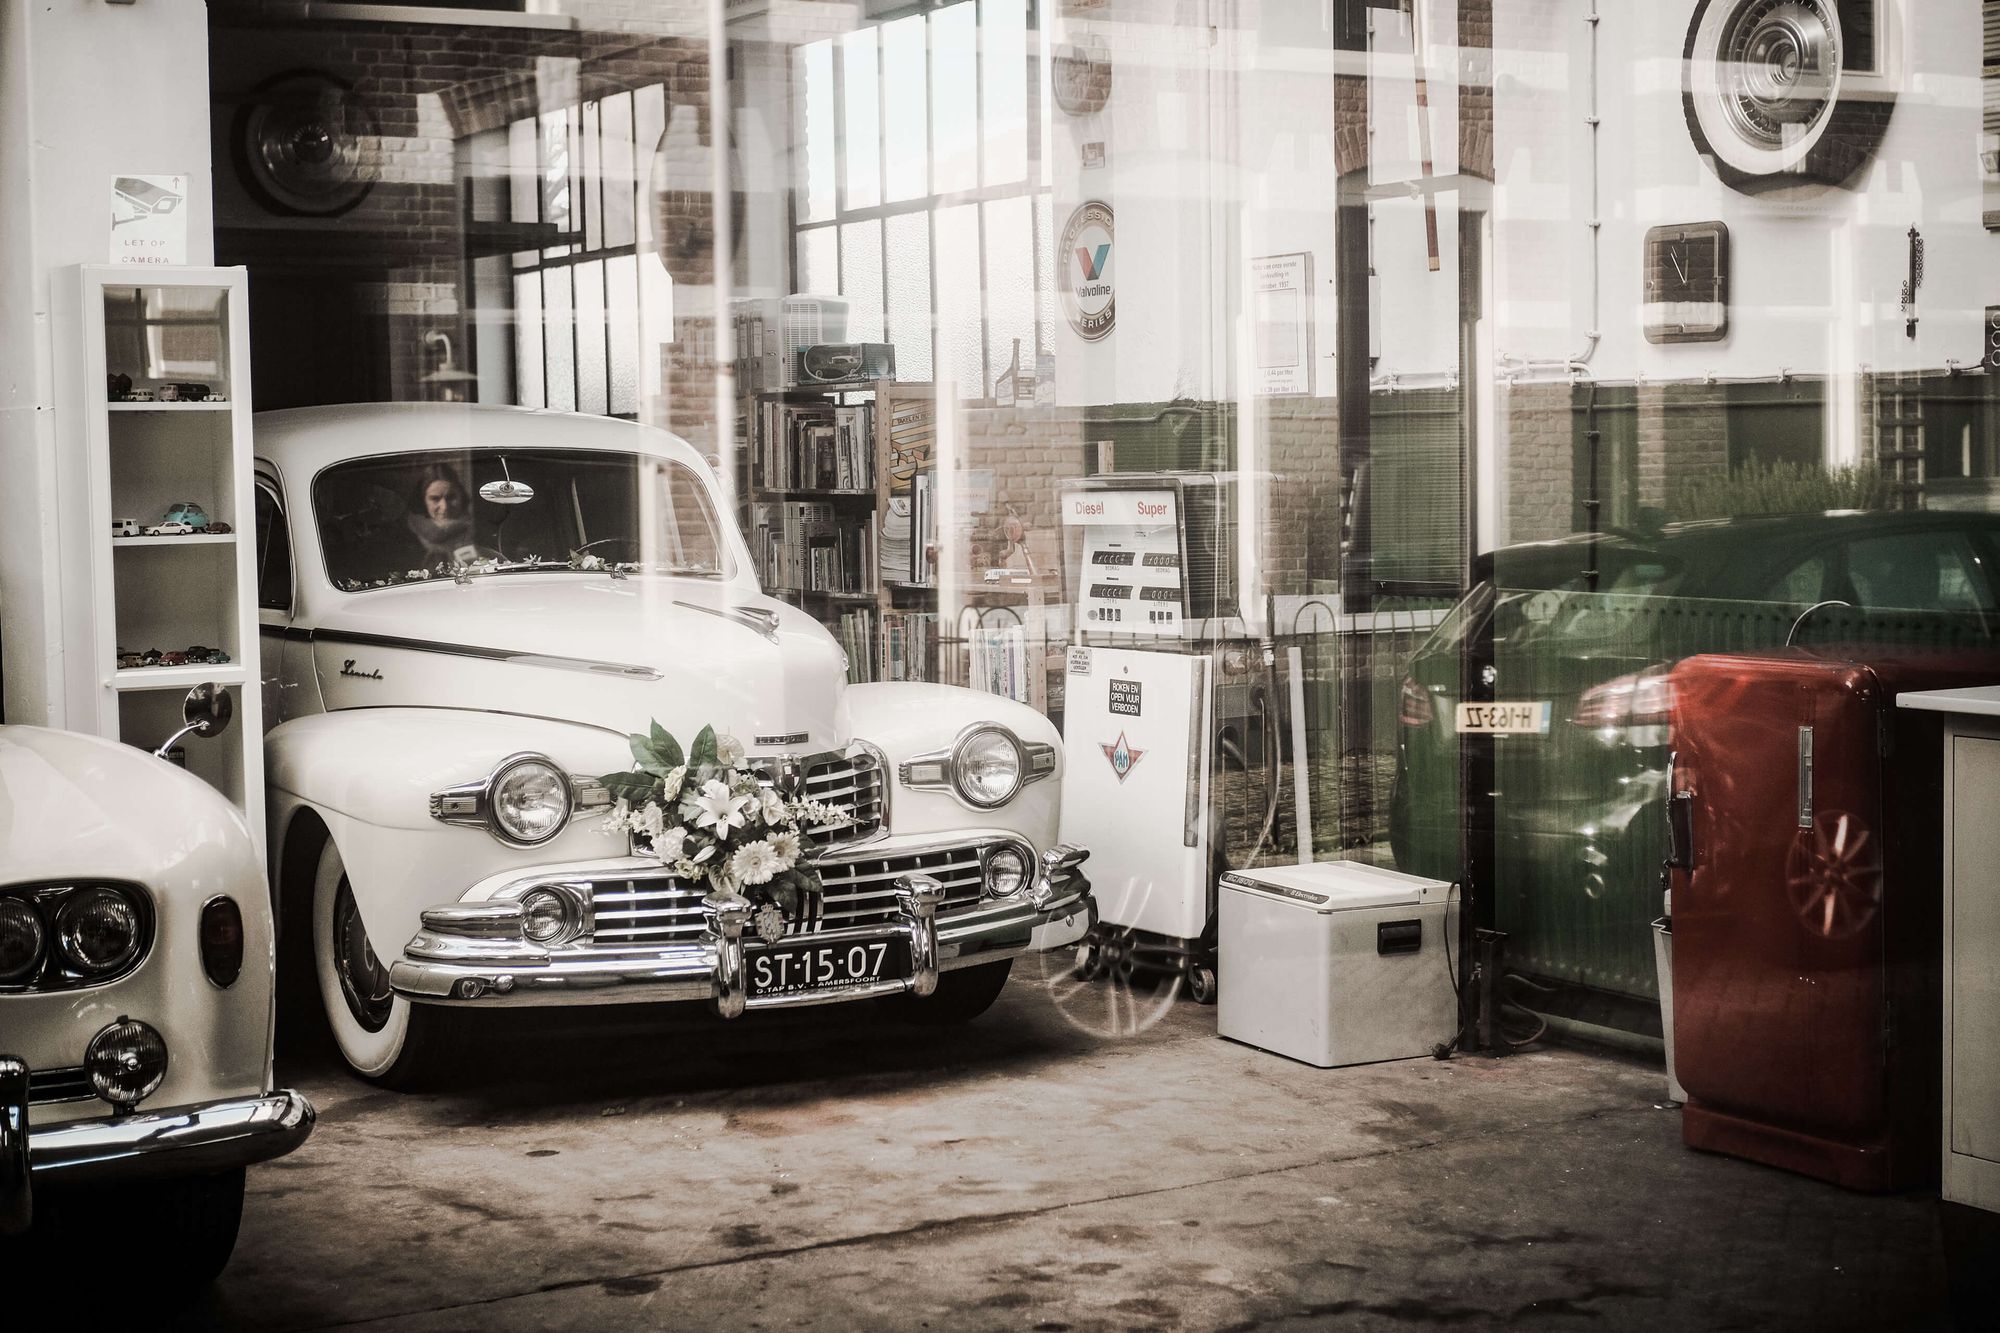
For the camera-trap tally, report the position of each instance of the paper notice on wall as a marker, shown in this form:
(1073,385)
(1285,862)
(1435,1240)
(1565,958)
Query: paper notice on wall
(1281,296)
(149,219)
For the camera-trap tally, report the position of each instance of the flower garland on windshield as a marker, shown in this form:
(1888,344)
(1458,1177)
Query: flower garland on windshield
(707,817)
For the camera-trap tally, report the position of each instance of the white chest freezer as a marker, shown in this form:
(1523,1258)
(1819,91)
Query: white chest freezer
(1334,963)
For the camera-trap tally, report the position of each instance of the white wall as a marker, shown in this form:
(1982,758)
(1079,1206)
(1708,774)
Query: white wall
(88,91)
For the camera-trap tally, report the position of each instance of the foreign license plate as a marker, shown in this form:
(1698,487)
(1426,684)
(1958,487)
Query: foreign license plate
(1511,719)
(831,965)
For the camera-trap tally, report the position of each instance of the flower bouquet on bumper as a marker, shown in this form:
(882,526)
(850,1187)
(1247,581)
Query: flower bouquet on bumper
(704,816)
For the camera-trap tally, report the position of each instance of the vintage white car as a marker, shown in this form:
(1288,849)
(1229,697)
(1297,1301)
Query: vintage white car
(135,1010)
(466,612)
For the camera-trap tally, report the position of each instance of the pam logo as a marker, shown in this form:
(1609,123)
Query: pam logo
(1092,261)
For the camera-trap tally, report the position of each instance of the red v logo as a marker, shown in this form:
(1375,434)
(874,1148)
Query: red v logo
(1091,262)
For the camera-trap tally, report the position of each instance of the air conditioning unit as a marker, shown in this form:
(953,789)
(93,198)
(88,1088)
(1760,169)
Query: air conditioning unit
(772,330)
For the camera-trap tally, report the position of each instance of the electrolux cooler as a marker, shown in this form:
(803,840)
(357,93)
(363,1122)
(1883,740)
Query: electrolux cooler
(1806,919)
(1135,787)
(1335,963)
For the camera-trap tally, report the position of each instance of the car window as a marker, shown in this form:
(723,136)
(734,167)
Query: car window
(1804,583)
(1919,571)
(400,518)
(274,553)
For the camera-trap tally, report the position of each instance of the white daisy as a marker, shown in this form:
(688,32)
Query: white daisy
(786,847)
(754,863)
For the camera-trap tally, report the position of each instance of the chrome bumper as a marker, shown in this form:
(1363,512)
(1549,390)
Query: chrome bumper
(147,1145)
(440,967)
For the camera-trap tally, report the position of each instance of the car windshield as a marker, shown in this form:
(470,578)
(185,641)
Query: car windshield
(474,512)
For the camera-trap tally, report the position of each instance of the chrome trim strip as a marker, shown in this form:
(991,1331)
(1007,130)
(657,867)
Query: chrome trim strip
(509,655)
(752,618)
(187,1140)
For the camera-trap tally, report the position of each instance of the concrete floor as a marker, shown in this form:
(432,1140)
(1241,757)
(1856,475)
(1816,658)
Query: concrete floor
(1048,1168)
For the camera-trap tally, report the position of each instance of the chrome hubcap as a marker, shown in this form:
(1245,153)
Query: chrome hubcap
(363,980)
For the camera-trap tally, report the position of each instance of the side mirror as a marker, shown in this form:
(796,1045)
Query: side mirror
(206,711)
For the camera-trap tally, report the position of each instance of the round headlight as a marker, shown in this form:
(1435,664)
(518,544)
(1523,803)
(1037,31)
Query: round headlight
(98,930)
(1006,871)
(547,917)
(126,1061)
(21,939)
(986,767)
(531,801)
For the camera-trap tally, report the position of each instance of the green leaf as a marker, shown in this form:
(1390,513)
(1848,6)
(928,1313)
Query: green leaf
(666,746)
(633,788)
(703,749)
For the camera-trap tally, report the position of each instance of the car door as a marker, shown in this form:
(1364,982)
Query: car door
(289,688)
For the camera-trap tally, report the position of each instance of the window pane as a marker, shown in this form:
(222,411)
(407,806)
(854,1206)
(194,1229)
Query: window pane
(814,90)
(955,97)
(909,293)
(1004,88)
(555,172)
(861,279)
(649,122)
(1010,292)
(591,181)
(522,168)
(559,334)
(621,317)
(862,137)
(618,184)
(590,333)
(819,262)
(1045,279)
(906,144)
(528,340)
(958,299)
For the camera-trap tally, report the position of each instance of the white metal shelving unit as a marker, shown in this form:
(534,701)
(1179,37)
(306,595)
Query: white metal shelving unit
(159,325)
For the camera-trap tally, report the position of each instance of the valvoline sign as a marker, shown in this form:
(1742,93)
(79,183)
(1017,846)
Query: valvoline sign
(1088,291)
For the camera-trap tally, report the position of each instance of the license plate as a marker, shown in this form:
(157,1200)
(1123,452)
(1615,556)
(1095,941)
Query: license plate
(1515,719)
(811,965)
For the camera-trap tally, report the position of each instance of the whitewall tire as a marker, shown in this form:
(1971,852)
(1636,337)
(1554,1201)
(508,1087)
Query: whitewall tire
(382,1036)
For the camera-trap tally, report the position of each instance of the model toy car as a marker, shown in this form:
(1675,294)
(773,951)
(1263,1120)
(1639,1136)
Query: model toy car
(219,527)
(189,513)
(169,529)
(201,653)
(173,658)
(135,1010)
(126,661)
(124,527)
(151,657)
(437,824)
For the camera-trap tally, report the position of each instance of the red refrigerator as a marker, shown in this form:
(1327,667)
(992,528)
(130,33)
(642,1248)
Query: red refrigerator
(1806,909)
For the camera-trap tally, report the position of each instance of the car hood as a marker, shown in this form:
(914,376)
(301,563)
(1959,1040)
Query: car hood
(75,805)
(613,653)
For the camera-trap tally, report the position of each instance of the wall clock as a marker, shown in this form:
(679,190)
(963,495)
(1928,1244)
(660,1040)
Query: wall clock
(1080,76)
(1687,283)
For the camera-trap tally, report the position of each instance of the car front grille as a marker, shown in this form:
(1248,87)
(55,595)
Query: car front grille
(46,1086)
(649,910)
(851,784)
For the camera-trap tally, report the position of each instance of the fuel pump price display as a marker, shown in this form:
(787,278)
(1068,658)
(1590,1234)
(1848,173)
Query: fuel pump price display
(1132,561)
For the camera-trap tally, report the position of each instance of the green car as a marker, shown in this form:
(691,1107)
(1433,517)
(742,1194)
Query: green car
(1566,671)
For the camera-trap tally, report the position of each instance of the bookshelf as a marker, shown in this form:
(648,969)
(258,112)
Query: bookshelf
(137,345)
(841,520)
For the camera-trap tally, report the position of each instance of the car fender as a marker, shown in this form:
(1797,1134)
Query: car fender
(908,718)
(368,774)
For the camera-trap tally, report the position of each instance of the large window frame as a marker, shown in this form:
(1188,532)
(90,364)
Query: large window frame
(847,216)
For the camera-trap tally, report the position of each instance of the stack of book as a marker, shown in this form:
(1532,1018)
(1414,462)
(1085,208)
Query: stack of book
(1001,662)
(815,446)
(909,533)
(909,645)
(800,546)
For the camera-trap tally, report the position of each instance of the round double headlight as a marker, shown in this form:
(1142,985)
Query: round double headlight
(987,767)
(1007,871)
(530,801)
(549,917)
(98,931)
(126,1062)
(22,940)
